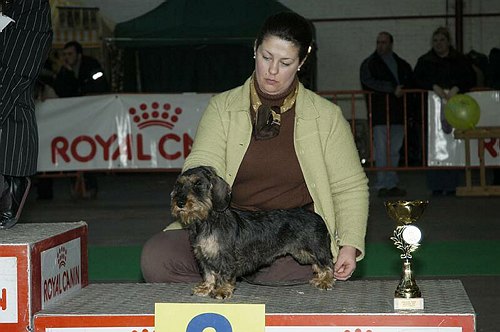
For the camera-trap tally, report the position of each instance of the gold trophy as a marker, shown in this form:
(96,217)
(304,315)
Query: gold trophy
(407,238)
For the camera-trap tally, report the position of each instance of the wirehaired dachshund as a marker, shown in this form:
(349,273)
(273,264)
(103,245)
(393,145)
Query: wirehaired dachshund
(229,243)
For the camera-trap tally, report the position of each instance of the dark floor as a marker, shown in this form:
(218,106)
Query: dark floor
(130,208)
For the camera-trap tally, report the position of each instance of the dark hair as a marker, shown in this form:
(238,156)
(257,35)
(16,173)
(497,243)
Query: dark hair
(391,39)
(78,47)
(442,31)
(288,26)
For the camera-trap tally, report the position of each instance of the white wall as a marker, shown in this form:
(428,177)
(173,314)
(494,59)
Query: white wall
(342,46)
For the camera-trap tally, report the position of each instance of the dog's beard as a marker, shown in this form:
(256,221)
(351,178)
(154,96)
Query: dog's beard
(192,210)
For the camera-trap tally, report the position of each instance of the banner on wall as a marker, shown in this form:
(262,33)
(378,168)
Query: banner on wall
(445,150)
(117,131)
(156,131)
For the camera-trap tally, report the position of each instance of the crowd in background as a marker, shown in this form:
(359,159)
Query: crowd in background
(69,73)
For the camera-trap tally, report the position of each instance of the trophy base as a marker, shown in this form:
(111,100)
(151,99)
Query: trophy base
(416,303)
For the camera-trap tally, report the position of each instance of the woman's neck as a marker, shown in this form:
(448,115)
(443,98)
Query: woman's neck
(277,99)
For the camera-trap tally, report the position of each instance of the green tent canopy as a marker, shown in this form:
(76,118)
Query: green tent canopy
(192,45)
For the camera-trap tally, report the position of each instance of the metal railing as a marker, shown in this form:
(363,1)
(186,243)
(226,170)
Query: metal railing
(357,108)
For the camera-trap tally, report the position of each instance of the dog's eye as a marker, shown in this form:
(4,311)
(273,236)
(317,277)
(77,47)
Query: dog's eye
(198,183)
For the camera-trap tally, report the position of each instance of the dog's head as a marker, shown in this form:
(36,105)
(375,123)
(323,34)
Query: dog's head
(197,192)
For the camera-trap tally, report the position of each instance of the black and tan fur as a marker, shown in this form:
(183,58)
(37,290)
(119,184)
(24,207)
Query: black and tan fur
(229,243)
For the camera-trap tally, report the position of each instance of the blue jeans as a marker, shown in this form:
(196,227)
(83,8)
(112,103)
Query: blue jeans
(387,179)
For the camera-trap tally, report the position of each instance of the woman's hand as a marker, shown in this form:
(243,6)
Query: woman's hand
(453,91)
(346,263)
(439,91)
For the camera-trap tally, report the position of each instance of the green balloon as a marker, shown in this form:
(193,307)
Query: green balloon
(462,112)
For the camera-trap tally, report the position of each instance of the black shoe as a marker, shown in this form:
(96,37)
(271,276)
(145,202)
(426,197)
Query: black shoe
(19,188)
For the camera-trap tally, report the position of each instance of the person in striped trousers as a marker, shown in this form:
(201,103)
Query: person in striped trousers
(24,46)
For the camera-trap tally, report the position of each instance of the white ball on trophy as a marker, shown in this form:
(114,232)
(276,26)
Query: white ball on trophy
(412,234)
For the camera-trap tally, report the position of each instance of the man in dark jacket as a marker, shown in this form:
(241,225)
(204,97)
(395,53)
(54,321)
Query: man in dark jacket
(80,75)
(24,46)
(386,74)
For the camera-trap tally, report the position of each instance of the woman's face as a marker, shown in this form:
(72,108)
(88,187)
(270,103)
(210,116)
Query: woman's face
(441,44)
(276,63)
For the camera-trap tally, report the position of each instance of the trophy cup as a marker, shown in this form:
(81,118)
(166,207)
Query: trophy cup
(406,238)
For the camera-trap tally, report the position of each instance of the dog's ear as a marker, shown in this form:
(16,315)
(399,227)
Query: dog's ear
(221,193)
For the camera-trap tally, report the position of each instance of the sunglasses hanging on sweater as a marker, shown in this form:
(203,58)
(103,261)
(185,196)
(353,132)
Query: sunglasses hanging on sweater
(268,118)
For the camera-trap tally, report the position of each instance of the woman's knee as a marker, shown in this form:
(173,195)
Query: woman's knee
(167,257)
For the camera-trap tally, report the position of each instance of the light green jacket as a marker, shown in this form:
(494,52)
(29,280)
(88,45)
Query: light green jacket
(325,149)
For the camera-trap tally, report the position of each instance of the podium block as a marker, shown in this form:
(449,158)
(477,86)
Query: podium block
(40,264)
(354,306)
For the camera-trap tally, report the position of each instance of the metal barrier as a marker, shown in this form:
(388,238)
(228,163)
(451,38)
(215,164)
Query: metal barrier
(356,102)
(357,108)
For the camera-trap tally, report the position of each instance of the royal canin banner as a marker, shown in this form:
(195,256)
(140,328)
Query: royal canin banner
(156,131)
(127,131)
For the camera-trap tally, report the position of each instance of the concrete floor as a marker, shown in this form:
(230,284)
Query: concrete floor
(130,208)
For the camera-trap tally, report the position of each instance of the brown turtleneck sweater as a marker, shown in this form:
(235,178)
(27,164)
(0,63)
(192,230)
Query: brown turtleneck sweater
(269,176)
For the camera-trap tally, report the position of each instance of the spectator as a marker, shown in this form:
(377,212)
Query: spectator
(480,65)
(447,72)
(386,74)
(80,75)
(494,61)
(22,54)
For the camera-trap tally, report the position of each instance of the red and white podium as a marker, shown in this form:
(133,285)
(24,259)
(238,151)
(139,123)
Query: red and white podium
(353,306)
(44,288)
(40,264)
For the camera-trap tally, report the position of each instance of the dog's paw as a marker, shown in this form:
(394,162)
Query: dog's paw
(325,283)
(223,292)
(220,294)
(202,289)
(323,279)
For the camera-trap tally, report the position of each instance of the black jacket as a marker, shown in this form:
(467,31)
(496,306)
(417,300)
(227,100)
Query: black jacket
(67,84)
(452,70)
(376,76)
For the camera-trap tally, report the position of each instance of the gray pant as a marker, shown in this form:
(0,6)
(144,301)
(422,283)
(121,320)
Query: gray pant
(387,179)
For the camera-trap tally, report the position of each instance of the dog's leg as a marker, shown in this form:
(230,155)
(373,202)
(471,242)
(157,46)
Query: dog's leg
(207,286)
(304,257)
(324,278)
(225,283)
